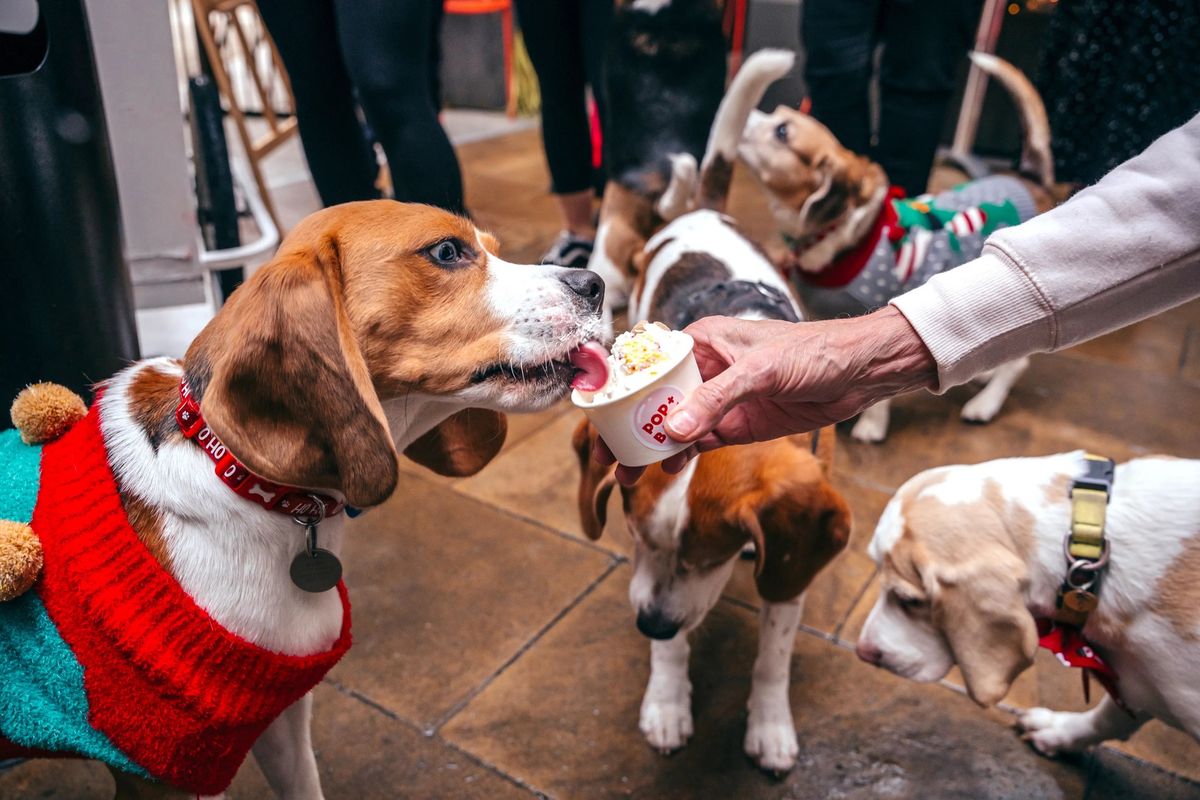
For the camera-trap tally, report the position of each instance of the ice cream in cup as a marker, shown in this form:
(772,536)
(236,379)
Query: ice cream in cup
(629,392)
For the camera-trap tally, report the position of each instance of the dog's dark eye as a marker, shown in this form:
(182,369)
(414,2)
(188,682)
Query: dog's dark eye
(909,604)
(447,252)
(781,132)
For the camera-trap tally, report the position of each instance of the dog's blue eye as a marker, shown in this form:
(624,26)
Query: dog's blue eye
(781,132)
(446,252)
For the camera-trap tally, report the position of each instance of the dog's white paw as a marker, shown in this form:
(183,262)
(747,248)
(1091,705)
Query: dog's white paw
(666,724)
(870,428)
(981,408)
(1050,732)
(772,743)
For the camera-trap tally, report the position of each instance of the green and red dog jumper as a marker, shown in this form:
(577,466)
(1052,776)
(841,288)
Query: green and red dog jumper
(107,657)
(912,240)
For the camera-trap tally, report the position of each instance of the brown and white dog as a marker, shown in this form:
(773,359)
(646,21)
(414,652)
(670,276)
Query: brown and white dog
(828,203)
(371,331)
(969,556)
(689,528)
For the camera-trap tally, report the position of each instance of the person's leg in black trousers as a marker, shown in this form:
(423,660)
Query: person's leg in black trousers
(386,45)
(595,24)
(566,40)
(924,45)
(839,39)
(340,158)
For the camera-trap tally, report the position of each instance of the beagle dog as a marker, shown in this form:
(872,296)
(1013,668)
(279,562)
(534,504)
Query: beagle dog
(970,556)
(853,245)
(371,333)
(689,528)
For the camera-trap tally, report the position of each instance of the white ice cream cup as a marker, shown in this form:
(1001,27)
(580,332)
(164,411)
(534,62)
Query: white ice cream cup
(632,425)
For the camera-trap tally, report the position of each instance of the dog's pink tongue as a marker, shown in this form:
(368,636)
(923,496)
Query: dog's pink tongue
(590,361)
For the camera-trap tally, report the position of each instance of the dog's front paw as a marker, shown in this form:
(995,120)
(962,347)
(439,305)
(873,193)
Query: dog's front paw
(982,408)
(772,743)
(1050,732)
(666,724)
(872,427)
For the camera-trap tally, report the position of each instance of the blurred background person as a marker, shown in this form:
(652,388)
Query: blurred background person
(1116,75)
(382,56)
(923,44)
(566,40)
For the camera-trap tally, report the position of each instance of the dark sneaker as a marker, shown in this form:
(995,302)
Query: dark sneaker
(569,250)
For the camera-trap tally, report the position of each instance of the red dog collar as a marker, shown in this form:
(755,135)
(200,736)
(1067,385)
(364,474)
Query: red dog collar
(291,500)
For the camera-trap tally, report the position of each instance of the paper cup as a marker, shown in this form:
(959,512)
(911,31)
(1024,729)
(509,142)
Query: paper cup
(632,425)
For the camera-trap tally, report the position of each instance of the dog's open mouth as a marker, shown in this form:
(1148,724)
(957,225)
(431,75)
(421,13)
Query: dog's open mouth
(581,366)
(557,370)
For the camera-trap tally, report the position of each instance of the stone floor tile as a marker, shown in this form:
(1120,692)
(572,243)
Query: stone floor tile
(445,591)
(363,753)
(863,732)
(57,779)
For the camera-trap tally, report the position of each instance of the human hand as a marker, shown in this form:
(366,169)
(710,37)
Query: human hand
(765,379)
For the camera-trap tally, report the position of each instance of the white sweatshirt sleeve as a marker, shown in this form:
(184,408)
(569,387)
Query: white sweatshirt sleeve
(1115,253)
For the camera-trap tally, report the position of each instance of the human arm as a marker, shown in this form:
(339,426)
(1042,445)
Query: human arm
(766,379)
(1119,251)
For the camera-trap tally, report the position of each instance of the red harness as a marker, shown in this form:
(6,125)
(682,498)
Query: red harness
(290,500)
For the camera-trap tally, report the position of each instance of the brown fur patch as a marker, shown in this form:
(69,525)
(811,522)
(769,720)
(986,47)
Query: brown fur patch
(145,521)
(775,485)
(714,183)
(691,268)
(153,397)
(1058,489)
(1177,596)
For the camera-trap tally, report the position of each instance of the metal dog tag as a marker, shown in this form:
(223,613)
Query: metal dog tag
(1080,600)
(318,571)
(314,569)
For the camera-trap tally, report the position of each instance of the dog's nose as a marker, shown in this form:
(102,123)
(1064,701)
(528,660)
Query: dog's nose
(868,652)
(586,284)
(656,625)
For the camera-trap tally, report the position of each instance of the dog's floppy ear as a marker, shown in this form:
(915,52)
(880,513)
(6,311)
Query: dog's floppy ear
(978,606)
(795,536)
(833,193)
(283,384)
(596,482)
(462,444)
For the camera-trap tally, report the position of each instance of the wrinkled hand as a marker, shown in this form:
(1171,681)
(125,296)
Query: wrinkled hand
(766,379)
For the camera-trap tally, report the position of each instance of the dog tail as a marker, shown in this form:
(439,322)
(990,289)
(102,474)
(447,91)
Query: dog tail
(1036,158)
(744,93)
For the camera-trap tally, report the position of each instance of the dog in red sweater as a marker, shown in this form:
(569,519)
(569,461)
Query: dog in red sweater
(183,615)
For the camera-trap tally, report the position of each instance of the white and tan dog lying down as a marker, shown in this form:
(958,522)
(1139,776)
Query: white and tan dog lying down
(970,556)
